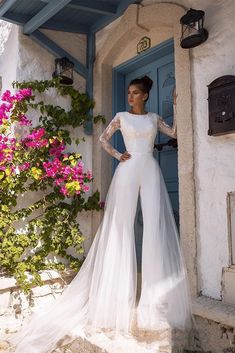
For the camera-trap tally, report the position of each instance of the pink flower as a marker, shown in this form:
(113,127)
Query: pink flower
(52,168)
(36,144)
(89,175)
(34,140)
(67,171)
(6,107)
(102,204)
(19,96)
(7,97)
(24,121)
(36,134)
(57,148)
(26,92)
(22,94)
(24,166)
(2,157)
(3,114)
(64,191)
(59,181)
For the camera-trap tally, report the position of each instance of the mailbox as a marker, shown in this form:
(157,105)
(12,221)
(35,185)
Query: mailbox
(221,100)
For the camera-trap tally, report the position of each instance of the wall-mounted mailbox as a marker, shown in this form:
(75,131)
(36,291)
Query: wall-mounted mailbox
(221,100)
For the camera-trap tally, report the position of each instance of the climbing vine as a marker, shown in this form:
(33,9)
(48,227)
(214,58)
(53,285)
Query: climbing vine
(43,187)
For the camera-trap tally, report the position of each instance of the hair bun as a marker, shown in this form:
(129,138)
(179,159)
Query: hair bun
(147,82)
(144,83)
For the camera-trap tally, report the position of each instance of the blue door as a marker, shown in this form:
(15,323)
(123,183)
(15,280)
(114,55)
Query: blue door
(161,71)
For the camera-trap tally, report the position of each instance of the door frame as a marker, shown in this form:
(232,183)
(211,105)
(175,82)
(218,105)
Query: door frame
(119,72)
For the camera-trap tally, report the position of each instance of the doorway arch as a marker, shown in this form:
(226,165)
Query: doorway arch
(117,47)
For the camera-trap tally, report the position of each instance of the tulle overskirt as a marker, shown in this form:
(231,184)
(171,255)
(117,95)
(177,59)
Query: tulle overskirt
(103,293)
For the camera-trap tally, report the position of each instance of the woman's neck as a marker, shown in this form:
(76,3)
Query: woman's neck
(138,111)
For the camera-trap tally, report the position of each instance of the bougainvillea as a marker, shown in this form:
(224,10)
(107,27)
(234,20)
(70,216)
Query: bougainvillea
(43,187)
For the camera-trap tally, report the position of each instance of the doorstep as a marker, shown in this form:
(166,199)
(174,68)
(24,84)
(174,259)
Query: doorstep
(214,310)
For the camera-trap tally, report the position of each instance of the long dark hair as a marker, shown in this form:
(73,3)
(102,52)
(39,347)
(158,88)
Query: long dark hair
(144,83)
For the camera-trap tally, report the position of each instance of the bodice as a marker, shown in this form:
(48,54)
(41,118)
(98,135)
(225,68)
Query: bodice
(139,131)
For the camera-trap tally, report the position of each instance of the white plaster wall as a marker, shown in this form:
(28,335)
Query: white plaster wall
(73,43)
(35,62)
(5,30)
(8,53)
(214,156)
(157,37)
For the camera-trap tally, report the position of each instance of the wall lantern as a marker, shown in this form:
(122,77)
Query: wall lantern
(64,70)
(193,33)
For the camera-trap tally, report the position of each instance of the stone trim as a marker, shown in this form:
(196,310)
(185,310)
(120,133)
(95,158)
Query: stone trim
(214,310)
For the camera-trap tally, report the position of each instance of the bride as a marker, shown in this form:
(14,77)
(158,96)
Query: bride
(103,293)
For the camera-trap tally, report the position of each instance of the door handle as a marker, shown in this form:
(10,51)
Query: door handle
(171,142)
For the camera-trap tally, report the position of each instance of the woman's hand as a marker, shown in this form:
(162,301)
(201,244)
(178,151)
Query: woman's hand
(174,96)
(125,156)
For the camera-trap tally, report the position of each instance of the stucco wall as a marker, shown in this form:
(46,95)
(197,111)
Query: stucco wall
(214,156)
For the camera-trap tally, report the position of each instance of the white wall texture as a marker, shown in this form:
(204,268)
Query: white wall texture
(9,50)
(214,156)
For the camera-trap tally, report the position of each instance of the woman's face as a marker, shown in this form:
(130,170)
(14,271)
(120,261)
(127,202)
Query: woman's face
(136,97)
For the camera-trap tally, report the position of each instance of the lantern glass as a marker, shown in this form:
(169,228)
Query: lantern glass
(64,70)
(189,30)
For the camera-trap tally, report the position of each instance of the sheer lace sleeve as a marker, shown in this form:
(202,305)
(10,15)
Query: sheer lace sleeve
(165,128)
(113,126)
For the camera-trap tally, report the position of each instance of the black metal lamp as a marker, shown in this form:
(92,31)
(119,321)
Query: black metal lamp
(64,70)
(193,33)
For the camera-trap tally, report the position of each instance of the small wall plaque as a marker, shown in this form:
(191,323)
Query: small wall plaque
(144,44)
(221,102)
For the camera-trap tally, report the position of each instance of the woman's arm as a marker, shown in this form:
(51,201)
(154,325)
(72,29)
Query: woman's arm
(164,127)
(113,126)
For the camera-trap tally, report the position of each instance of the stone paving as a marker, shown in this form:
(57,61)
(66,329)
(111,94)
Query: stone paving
(162,341)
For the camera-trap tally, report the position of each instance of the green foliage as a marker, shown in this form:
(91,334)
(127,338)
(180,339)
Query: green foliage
(49,225)
(81,105)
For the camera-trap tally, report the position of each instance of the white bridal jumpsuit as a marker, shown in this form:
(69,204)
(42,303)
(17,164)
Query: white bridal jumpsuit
(103,293)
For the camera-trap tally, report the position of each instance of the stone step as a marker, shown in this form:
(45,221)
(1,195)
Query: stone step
(164,341)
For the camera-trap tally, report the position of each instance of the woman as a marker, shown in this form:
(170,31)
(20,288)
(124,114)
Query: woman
(103,294)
